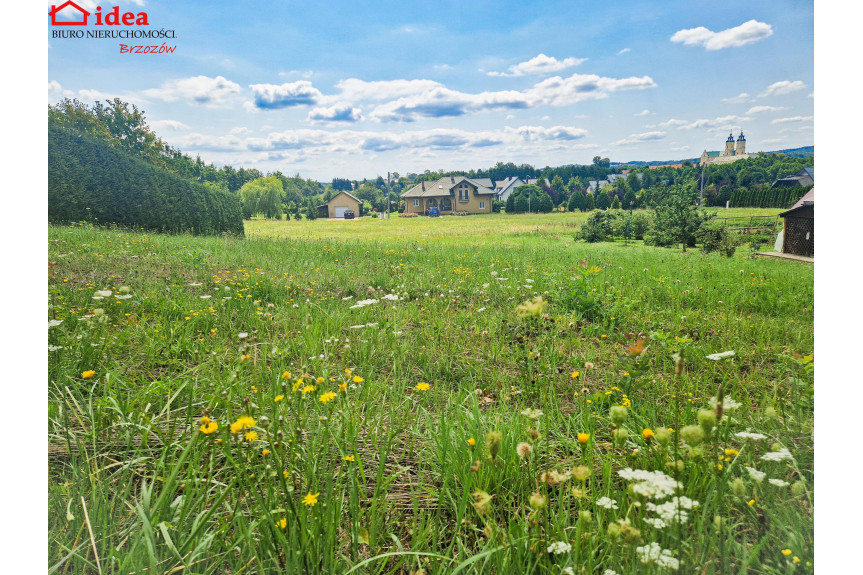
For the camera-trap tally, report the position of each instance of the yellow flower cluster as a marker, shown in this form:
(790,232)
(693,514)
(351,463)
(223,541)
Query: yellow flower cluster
(244,422)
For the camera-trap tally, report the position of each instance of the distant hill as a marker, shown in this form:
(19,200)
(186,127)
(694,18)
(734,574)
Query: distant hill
(794,152)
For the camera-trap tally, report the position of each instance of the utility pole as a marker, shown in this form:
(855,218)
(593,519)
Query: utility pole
(701,193)
(388,195)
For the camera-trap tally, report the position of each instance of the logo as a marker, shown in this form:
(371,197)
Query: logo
(77,16)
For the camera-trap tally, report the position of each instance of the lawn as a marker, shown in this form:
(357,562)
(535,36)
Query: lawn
(479,395)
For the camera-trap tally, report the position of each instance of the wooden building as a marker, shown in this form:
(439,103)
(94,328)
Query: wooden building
(799,232)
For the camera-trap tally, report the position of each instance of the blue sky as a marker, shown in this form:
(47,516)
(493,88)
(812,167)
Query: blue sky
(356,89)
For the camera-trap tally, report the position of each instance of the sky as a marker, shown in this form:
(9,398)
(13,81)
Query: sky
(359,89)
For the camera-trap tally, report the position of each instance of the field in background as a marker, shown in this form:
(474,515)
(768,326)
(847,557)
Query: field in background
(406,414)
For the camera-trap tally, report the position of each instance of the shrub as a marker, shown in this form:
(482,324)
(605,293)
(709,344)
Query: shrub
(641,222)
(599,227)
(90,178)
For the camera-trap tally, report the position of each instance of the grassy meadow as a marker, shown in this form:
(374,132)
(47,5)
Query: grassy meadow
(452,395)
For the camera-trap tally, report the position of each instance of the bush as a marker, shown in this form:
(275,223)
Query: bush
(91,179)
(717,238)
(640,224)
(598,227)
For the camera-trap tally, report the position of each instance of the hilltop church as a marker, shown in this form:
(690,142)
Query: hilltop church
(731,153)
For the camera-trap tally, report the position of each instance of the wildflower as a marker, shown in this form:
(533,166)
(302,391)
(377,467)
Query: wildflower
(650,484)
(778,482)
(209,426)
(348,458)
(285,473)
(326,397)
(770,412)
(243,335)
(617,414)
(619,434)
(481,501)
(727,403)
(471,441)
(492,441)
(707,420)
(607,503)
(780,455)
(320,380)
(731,452)
(574,375)
(422,386)
(348,371)
(538,501)
(251,436)
(282,523)
(54,323)
(244,422)
(309,388)
(343,387)
(757,476)
(718,356)
(88,374)
(204,419)
(311,499)
(750,503)
(672,511)
(559,548)
(663,436)
(531,413)
(647,433)
(692,435)
(582,473)
(798,488)
(585,516)
(653,553)
(265,452)
(279,398)
(583,437)
(533,307)
(786,552)
(358,379)
(523,449)
(749,435)
(286,375)
(588,365)
(796,559)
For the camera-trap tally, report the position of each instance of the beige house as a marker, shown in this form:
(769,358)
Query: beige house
(449,195)
(343,201)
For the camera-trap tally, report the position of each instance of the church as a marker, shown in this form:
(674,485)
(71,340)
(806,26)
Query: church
(732,152)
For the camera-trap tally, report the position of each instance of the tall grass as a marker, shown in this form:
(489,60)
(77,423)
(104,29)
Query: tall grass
(219,328)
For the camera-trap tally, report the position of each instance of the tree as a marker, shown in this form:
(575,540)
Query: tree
(615,203)
(590,204)
(519,204)
(576,201)
(603,202)
(630,200)
(263,196)
(678,217)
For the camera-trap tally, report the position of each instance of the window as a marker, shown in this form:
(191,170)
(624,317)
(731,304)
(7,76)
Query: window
(482,205)
(445,205)
(416,203)
(431,203)
(463,193)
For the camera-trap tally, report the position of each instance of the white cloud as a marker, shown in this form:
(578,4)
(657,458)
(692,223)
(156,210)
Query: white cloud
(239,130)
(170,125)
(782,88)
(739,99)
(208,143)
(746,33)
(643,113)
(760,109)
(793,119)
(341,112)
(722,122)
(277,96)
(540,64)
(202,90)
(624,51)
(355,89)
(539,133)
(638,138)
(674,122)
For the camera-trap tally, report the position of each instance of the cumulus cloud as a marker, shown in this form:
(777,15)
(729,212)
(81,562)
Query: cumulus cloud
(170,125)
(792,119)
(540,133)
(207,143)
(782,88)
(624,51)
(277,96)
(201,90)
(673,122)
(741,98)
(355,89)
(643,113)
(721,122)
(760,109)
(442,102)
(638,138)
(540,64)
(746,33)
(338,113)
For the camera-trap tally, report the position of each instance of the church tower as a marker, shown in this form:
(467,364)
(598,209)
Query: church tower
(729,146)
(741,145)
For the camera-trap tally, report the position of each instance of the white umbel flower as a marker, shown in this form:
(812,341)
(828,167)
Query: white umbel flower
(653,553)
(727,404)
(721,355)
(757,476)
(650,484)
(672,511)
(781,455)
(559,548)
(778,482)
(749,435)
(54,323)
(607,503)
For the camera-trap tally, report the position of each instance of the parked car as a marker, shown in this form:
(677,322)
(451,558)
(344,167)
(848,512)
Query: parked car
(433,212)
(349,215)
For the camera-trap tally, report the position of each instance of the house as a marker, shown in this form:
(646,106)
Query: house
(731,153)
(799,230)
(803,178)
(449,195)
(504,188)
(342,201)
(69,13)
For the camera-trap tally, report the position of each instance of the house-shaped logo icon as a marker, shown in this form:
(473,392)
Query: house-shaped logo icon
(70,8)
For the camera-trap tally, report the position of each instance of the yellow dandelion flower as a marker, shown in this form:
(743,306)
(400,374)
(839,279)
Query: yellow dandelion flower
(244,357)
(343,387)
(204,419)
(347,371)
(311,499)
(796,559)
(471,441)
(209,427)
(750,503)
(786,552)
(583,437)
(348,458)
(422,386)
(286,375)
(731,452)
(285,473)
(242,423)
(282,523)
(647,433)
(603,336)
(279,398)
(251,436)
(309,388)
(326,397)
(574,375)
(88,374)
(358,379)
(320,380)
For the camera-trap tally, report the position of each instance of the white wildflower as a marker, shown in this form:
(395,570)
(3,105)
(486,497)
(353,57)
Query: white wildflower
(650,484)
(530,281)
(391,297)
(54,347)
(54,323)
(780,455)
(481,309)
(656,522)
(757,476)
(653,553)
(559,548)
(242,335)
(127,296)
(673,511)
(398,332)
(727,403)
(202,296)
(532,413)
(722,355)
(749,435)
(347,298)
(362,325)
(607,503)
(364,303)
(494,273)
(568,571)
(485,286)
(609,572)
(778,482)
(195,284)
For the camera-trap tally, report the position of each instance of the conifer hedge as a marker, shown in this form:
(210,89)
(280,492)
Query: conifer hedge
(90,180)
